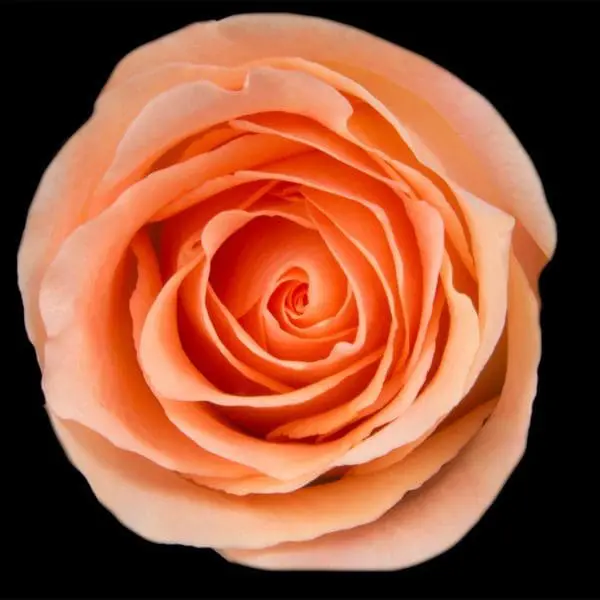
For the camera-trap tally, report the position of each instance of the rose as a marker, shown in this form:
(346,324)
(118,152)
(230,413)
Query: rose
(283,292)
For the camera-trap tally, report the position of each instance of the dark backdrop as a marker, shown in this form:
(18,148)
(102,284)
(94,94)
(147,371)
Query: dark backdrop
(535,62)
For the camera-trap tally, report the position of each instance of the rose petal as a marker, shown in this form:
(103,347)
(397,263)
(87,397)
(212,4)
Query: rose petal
(172,375)
(335,237)
(260,420)
(397,394)
(148,284)
(95,391)
(418,528)
(343,320)
(269,245)
(177,511)
(179,234)
(354,222)
(169,370)
(491,234)
(191,108)
(300,129)
(210,316)
(66,190)
(241,38)
(443,393)
(86,263)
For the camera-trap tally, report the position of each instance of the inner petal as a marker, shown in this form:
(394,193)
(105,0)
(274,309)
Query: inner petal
(243,265)
(292,323)
(203,303)
(320,172)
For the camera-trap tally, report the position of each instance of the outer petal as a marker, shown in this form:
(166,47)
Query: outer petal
(431,96)
(419,528)
(177,511)
(62,200)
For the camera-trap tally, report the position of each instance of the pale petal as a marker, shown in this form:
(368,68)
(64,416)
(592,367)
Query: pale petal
(177,511)
(92,376)
(64,198)
(148,282)
(421,93)
(191,108)
(491,235)
(397,394)
(181,233)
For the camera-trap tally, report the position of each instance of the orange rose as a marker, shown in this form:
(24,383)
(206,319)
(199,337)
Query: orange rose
(285,276)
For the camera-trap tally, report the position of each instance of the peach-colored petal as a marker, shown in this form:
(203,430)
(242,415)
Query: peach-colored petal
(65,194)
(300,129)
(169,370)
(491,234)
(148,282)
(172,375)
(418,528)
(275,319)
(494,148)
(178,511)
(325,174)
(397,393)
(337,239)
(54,214)
(442,394)
(205,141)
(180,233)
(83,380)
(270,241)
(277,314)
(192,108)
(425,189)
(316,135)
(220,324)
(86,263)
(354,222)
(260,484)
(489,382)
(287,346)
(429,233)
(205,426)
(330,421)
(393,457)
(343,320)
(399,454)
(267,485)
(309,401)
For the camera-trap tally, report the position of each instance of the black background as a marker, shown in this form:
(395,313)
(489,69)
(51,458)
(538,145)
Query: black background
(537,63)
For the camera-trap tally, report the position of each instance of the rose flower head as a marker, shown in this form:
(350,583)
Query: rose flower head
(282,287)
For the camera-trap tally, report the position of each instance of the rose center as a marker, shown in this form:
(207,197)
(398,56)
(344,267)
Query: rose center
(297,299)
